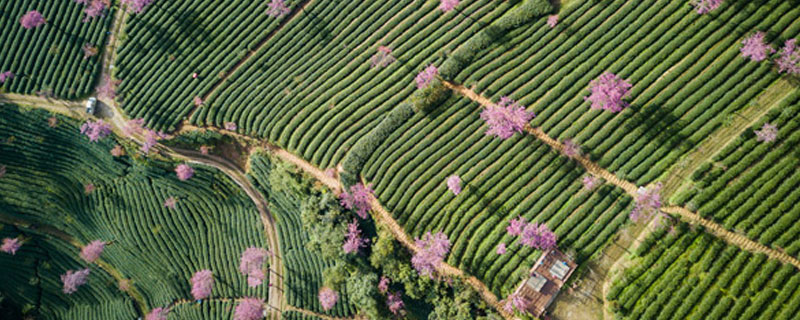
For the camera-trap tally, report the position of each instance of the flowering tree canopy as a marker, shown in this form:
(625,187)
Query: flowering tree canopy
(202,282)
(755,48)
(358,199)
(648,200)
(96,130)
(92,251)
(571,149)
(789,60)
(136,6)
(5,76)
(277,8)
(117,151)
(251,265)
(431,252)
(454,184)
(133,126)
(107,88)
(11,245)
(395,302)
(538,236)
(197,101)
(170,202)
(74,279)
(231,126)
(447,5)
(382,58)
(706,6)
(552,20)
(157,314)
(353,241)
(327,298)
(32,19)
(94,8)
(514,302)
(608,90)
(249,309)
(89,50)
(184,172)
(151,139)
(426,76)
(501,249)
(590,182)
(88,188)
(383,284)
(506,118)
(516,225)
(768,133)
(204,150)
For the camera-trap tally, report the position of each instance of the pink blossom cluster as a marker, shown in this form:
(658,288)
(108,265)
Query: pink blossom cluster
(383,284)
(197,101)
(447,5)
(358,199)
(789,60)
(514,302)
(231,126)
(327,298)
(648,201)
(395,302)
(532,234)
(202,282)
(96,130)
(706,6)
(74,279)
(501,249)
(768,133)
(94,8)
(11,245)
(251,265)
(506,118)
(756,48)
(136,6)
(133,126)
(32,19)
(277,8)
(426,76)
(151,139)
(353,240)
(454,184)
(184,172)
(552,21)
(157,314)
(590,182)
(88,188)
(516,225)
(607,92)
(170,202)
(572,149)
(382,58)
(117,151)
(107,88)
(430,253)
(5,76)
(93,250)
(249,309)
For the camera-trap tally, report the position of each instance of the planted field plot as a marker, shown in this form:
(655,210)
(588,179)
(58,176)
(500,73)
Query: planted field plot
(311,89)
(31,280)
(502,179)
(50,58)
(691,275)
(302,269)
(208,310)
(172,40)
(752,185)
(686,70)
(47,171)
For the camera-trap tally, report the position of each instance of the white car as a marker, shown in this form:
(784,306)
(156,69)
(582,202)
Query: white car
(90,104)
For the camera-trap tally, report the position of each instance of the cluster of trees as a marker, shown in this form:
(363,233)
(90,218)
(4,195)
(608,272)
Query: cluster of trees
(757,49)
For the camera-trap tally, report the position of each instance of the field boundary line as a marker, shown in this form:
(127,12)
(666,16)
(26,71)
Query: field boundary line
(714,228)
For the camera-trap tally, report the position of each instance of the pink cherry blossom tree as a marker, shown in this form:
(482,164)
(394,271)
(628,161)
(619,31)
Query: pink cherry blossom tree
(231,126)
(353,240)
(202,283)
(590,182)
(552,21)
(327,298)
(426,76)
(383,284)
(768,133)
(506,118)
(447,5)
(94,8)
(251,265)
(607,92)
(32,19)
(184,172)
(151,139)
(88,188)
(431,252)
(538,236)
(706,6)
(358,199)
(755,48)
(514,302)
(395,303)
(516,225)
(107,88)
(382,58)
(11,245)
(197,101)
(117,151)
(5,76)
(501,249)
(136,6)
(170,202)
(789,60)
(157,314)
(74,279)
(96,130)
(93,250)
(648,201)
(133,126)
(249,309)
(277,9)
(572,149)
(454,184)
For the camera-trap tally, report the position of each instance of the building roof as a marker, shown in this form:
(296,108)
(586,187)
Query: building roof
(547,277)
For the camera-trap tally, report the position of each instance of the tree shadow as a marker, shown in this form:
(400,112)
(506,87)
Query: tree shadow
(190,26)
(319,26)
